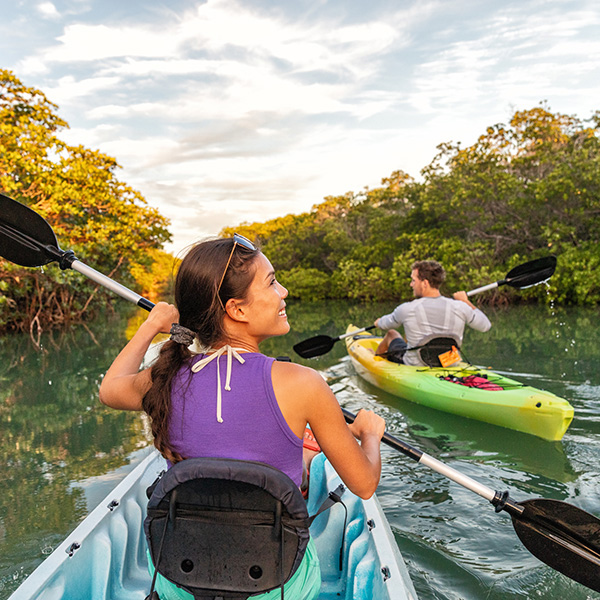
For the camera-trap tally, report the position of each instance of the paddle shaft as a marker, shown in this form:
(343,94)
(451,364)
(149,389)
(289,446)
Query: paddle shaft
(433,463)
(111,285)
(485,288)
(559,534)
(345,335)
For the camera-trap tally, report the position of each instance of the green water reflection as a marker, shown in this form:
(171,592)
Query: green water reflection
(61,451)
(53,432)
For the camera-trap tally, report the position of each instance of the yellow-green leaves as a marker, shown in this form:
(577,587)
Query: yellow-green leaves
(104,221)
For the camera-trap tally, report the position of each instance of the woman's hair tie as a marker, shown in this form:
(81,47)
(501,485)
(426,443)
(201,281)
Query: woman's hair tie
(182,335)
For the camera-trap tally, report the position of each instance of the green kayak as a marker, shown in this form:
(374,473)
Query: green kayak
(464,390)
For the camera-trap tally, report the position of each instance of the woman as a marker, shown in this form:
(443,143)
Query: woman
(228,299)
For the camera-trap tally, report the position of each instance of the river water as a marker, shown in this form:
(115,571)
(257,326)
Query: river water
(61,452)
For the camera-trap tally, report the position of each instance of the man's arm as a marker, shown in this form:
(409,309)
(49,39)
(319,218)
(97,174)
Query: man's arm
(479,321)
(462,296)
(392,321)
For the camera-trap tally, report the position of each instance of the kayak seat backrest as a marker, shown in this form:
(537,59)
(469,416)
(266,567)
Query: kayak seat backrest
(430,348)
(222,528)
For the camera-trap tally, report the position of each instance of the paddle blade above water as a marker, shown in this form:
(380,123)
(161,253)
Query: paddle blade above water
(321,344)
(563,536)
(315,346)
(531,273)
(26,239)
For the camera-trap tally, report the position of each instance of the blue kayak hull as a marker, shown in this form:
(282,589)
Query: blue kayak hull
(105,557)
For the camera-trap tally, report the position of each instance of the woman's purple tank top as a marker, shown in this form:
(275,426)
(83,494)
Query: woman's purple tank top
(253,427)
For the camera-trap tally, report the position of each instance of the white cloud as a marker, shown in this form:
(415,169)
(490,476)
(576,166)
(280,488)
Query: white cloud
(247,62)
(220,28)
(225,112)
(48,10)
(32,65)
(221,24)
(68,90)
(95,42)
(521,56)
(147,109)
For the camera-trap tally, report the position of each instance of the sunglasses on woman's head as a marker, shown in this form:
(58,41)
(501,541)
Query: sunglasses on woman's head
(237,240)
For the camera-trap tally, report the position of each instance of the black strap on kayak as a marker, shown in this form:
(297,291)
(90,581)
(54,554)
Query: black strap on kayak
(333,498)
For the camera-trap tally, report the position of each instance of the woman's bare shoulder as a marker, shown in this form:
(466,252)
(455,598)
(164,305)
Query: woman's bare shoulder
(292,374)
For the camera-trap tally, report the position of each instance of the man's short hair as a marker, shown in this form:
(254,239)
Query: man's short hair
(430,270)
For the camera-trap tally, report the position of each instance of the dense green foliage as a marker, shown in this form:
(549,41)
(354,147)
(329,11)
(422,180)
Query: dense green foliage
(92,213)
(523,190)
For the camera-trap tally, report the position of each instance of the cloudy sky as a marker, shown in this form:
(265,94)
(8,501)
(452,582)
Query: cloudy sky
(224,111)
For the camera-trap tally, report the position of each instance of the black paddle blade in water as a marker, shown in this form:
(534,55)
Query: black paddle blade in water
(563,536)
(531,273)
(26,239)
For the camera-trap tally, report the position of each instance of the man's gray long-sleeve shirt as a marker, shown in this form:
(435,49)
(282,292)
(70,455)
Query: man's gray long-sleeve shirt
(426,316)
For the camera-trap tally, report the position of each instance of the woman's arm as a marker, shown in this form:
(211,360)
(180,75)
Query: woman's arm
(304,396)
(124,385)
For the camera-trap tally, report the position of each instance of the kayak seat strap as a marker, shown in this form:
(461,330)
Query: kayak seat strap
(230,529)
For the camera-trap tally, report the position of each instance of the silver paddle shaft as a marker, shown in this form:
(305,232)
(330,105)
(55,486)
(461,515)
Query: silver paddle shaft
(111,285)
(345,335)
(433,463)
(458,477)
(484,288)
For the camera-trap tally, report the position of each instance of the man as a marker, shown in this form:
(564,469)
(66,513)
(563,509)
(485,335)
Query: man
(429,314)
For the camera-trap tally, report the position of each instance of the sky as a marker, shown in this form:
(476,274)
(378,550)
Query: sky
(229,111)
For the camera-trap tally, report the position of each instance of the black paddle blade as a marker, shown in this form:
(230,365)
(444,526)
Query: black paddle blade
(26,239)
(531,273)
(315,346)
(563,536)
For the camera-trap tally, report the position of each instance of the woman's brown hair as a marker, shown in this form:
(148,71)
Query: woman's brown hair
(196,288)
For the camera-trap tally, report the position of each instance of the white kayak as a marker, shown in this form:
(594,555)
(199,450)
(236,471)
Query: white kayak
(105,556)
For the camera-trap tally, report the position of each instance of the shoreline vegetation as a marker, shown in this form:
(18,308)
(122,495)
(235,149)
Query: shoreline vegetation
(523,190)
